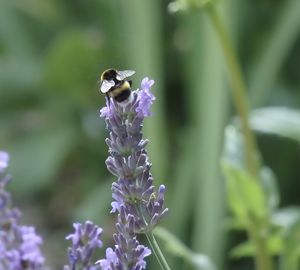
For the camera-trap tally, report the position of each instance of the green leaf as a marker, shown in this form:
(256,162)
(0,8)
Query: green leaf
(233,154)
(245,249)
(231,223)
(275,245)
(246,197)
(177,248)
(279,121)
(289,219)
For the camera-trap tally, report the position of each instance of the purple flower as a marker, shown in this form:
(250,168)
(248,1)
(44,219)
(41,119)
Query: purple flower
(110,261)
(105,111)
(29,248)
(19,245)
(139,205)
(4,159)
(146,98)
(85,240)
(128,253)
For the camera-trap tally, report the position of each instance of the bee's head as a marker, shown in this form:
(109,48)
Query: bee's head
(109,74)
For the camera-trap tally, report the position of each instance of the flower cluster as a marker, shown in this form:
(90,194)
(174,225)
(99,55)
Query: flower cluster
(85,240)
(128,253)
(19,245)
(138,204)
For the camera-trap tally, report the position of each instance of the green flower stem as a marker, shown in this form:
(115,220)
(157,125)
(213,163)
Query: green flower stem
(153,243)
(157,252)
(263,260)
(238,89)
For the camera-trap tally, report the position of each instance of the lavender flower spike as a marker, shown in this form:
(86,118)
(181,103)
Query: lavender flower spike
(19,245)
(85,240)
(129,161)
(139,205)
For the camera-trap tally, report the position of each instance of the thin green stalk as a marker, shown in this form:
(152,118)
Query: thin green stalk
(238,89)
(157,252)
(262,259)
(154,245)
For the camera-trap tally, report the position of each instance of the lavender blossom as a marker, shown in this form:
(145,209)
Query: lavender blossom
(139,205)
(85,240)
(4,159)
(19,245)
(128,253)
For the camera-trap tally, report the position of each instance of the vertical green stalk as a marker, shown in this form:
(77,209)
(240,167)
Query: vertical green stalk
(262,259)
(238,89)
(207,105)
(154,245)
(157,252)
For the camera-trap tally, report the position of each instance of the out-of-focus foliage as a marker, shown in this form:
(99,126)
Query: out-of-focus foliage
(51,54)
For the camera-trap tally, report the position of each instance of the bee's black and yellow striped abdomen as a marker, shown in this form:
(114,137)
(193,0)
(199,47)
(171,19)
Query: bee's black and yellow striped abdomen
(120,92)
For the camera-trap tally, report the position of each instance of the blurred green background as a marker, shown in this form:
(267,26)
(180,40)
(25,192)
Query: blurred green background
(51,55)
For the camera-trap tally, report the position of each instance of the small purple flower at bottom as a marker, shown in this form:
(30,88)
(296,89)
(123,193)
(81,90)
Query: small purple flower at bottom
(19,245)
(29,247)
(112,260)
(128,253)
(85,240)
(24,252)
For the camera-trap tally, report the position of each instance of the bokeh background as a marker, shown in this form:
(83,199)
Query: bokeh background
(51,55)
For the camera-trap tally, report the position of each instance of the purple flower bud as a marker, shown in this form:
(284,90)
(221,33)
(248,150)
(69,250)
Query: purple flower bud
(145,97)
(128,253)
(85,240)
(110,261)
(29,250)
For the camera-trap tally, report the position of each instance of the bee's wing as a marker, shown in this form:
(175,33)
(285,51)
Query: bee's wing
(121,75)
(106,85)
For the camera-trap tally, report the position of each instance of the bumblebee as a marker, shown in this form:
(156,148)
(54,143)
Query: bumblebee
(114,84)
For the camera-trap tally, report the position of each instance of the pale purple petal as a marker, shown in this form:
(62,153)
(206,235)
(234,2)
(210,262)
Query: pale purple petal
(85,241)
(145,98)
(4,160)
